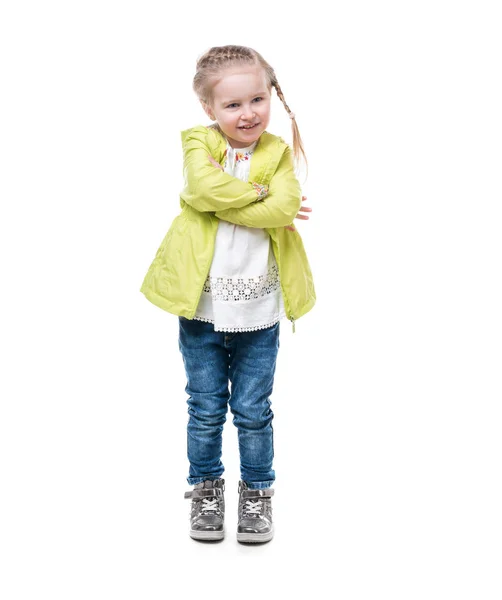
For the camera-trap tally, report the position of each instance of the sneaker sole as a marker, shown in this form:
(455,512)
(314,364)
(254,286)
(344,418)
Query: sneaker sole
(207,535)
(255,538)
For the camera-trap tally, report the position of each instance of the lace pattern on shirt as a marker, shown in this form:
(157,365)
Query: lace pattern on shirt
(238,329)
(234,290)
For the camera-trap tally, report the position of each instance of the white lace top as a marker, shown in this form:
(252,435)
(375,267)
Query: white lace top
(242,291)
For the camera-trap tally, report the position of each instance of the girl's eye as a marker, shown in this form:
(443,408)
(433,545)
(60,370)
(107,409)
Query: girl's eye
(236,104)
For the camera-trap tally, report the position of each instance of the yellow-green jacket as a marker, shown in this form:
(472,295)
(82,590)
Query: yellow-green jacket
(177,274)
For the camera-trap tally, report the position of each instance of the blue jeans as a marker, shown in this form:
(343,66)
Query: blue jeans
(246,360)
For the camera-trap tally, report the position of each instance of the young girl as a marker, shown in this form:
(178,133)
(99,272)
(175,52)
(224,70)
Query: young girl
(231,267)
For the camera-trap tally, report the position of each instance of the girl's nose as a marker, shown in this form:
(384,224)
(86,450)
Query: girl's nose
(247,112)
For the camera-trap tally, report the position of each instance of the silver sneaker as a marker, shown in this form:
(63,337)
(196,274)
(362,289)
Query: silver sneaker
(255,515)
(207,512)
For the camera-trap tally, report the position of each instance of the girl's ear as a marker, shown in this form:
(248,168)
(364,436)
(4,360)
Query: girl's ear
(208,110)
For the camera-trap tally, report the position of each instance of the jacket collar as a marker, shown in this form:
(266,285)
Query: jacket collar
(266,156)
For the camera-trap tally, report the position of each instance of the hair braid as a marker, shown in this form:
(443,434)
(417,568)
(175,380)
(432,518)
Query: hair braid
(216,59)
(297,140)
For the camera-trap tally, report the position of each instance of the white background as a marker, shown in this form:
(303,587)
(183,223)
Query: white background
(387,397)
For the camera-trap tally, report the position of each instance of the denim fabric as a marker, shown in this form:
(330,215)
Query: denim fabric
(247,361)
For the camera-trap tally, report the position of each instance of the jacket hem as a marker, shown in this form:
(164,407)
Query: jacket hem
(164,304)
(304,310)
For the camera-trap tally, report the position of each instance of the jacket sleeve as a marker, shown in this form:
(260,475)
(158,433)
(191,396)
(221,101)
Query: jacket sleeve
(278,208)
(207,188)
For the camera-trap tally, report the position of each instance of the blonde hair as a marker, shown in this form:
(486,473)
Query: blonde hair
(212,62)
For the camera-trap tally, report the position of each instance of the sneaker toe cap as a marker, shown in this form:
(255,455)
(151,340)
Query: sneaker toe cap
(207,524)
(253,526)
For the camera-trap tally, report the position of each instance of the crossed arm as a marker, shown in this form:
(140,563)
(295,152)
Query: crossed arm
(250,204)
(208,190)
(279,206)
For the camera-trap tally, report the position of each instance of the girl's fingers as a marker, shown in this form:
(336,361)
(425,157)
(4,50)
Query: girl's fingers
(299,216)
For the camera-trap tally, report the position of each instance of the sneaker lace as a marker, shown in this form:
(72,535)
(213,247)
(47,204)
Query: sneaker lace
(252,508)
(209,505)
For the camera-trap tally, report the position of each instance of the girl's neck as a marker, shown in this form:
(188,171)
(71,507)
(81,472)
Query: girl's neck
(240,146)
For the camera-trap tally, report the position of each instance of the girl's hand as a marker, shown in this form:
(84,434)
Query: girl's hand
(215,163)
(299,215)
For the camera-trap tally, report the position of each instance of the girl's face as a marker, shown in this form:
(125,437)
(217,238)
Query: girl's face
(241,104)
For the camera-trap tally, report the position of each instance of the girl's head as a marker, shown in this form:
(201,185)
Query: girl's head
(234,85)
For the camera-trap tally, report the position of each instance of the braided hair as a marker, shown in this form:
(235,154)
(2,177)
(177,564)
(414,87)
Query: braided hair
(218,58)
